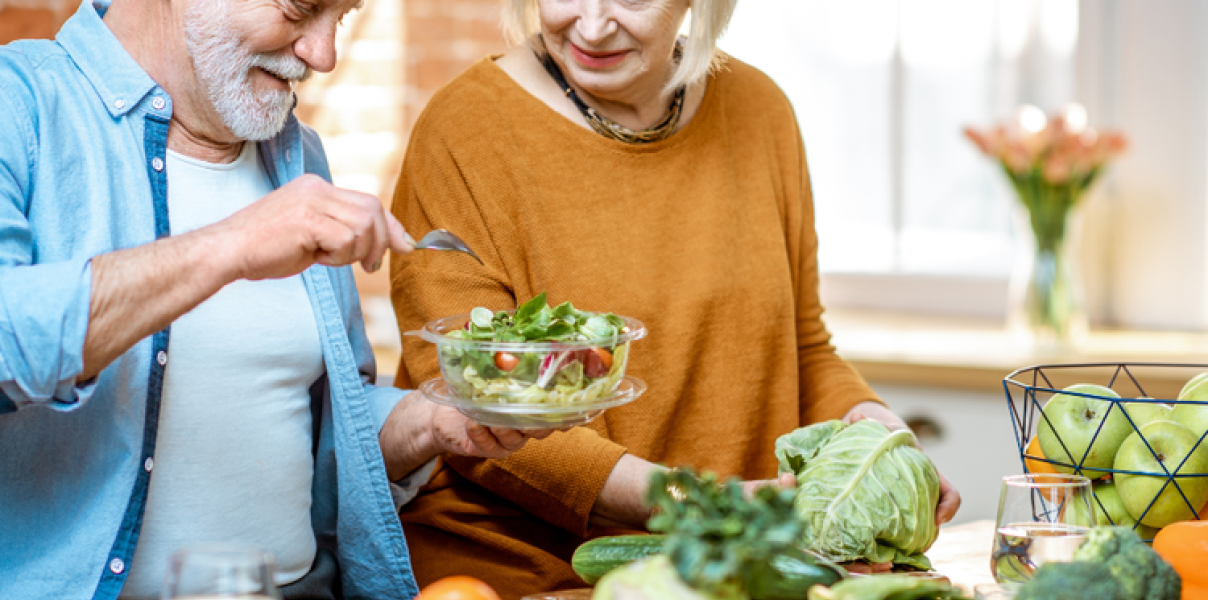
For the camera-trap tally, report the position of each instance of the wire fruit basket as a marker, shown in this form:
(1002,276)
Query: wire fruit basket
(1123,426)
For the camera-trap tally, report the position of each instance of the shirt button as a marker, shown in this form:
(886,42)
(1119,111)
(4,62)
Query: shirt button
(287,155)
(117,565)
(119,104)
(157,163)
(162,357)
(148,464)
(158,103)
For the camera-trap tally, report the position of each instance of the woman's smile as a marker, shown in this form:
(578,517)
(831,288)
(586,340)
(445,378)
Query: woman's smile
(597,60)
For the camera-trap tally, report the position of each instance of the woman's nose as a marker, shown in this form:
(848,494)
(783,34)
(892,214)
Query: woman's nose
(595,22)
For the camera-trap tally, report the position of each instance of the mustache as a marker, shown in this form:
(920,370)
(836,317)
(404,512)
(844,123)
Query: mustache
(289,68)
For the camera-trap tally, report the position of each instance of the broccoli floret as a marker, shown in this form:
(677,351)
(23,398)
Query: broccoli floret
(1073,581)
(1139,570)
(1112,564)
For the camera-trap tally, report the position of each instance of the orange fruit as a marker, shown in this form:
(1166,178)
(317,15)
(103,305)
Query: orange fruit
(1037,466)
(458,587)
(1185,546)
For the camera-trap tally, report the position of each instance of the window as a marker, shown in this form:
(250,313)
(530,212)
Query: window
(882,89)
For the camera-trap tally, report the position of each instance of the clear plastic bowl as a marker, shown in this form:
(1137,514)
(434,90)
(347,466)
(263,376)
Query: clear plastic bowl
(532,416)
(531,373)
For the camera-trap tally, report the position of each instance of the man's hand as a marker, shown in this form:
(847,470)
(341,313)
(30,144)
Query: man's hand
(418,430)
(311,221)
(141,290)
(950,499)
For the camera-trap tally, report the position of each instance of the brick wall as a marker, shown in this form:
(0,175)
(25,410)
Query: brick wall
(441,39)
(25,23)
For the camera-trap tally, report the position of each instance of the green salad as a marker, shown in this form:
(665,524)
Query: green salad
(536,355)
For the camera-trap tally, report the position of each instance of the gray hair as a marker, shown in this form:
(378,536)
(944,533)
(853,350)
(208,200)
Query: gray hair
(701,56)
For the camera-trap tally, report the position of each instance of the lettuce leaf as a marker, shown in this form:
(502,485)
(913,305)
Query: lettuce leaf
(864,492)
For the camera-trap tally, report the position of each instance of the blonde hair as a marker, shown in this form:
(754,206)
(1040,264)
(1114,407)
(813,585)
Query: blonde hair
(709,19)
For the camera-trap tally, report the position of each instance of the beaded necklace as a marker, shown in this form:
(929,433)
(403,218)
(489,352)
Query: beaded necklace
(607,127)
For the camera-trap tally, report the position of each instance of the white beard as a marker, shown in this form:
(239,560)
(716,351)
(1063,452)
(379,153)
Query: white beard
(223,68)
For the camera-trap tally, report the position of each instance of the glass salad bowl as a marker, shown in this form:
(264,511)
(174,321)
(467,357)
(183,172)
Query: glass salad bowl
(584,363)
(532,416)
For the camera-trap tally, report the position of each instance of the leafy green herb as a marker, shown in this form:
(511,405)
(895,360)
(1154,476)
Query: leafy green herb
(536,321)
(716,536)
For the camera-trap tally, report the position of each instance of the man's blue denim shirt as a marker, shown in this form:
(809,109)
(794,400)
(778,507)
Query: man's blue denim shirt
(83,133)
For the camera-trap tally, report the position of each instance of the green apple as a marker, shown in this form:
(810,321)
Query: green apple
(1109,510)
(1172,445)
(1070,423)
(1193,416)
(1192,384)
(1148,412)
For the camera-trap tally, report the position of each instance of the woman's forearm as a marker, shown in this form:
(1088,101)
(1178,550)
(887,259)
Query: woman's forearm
(620,502)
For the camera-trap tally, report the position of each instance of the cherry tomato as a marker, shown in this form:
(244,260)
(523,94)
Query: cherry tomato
(605,357)
(505,361)
(458,587)
(596,361)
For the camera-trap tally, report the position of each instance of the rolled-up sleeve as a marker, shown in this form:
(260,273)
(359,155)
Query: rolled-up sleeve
(43,307)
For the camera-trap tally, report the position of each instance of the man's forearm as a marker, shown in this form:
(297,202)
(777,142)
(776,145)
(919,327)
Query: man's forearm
(406,440)
(620,503)
(139,291)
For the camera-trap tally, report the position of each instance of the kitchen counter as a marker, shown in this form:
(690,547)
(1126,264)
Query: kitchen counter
(962,553)
(975,354)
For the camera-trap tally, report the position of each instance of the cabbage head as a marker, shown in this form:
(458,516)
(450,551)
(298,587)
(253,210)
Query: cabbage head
(863,492)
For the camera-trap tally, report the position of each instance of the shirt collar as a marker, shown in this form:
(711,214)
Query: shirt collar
(117,78)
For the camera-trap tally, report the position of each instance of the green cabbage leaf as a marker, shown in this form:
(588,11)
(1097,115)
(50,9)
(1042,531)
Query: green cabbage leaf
(864,492)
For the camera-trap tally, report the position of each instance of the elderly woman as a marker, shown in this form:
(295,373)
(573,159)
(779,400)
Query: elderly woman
(606,163)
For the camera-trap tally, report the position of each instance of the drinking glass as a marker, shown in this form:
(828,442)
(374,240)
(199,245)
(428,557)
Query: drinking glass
(221,572)
(1042,517)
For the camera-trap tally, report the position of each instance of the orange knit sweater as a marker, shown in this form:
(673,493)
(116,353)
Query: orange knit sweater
(707,237)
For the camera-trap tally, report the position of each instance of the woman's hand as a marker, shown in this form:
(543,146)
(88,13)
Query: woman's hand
(418,430)
(785,481)
(950,499)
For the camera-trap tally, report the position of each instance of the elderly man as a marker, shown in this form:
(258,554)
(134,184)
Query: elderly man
(179,360)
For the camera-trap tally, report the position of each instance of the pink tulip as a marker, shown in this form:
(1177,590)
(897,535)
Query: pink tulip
(980,140)
(1057,170)
(1061,145)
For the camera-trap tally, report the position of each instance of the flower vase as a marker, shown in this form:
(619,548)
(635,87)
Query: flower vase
(1046,310)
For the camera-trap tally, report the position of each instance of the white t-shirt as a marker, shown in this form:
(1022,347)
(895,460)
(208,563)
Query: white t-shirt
(233,458)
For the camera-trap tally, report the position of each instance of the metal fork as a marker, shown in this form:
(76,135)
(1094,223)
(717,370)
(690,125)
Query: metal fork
(440,239)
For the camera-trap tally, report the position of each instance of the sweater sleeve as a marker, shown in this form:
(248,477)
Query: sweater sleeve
(454,184)
(829,385)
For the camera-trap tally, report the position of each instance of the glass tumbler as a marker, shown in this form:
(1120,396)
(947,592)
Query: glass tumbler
(1042,517)
(221,572)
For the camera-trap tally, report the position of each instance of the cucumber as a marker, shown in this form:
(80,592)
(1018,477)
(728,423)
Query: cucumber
(790,575)
(601,555)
